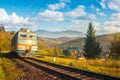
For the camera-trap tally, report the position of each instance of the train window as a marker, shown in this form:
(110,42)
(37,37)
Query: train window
(32,36)
(23,36)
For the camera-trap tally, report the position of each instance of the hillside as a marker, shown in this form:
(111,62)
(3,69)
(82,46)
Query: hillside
(48,42)
(51,42)
(76,43)
(66,39)
(79,43)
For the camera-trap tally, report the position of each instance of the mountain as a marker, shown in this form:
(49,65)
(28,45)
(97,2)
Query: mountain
(66,39)
(57,34)
(76,43)
(51,42)
(48,42)
(79,43)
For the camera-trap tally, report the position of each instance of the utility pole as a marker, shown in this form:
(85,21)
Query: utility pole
(55,53)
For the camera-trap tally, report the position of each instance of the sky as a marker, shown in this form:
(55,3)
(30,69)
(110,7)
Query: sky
(61,15)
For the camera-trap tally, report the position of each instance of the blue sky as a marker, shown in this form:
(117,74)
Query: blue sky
(60,15)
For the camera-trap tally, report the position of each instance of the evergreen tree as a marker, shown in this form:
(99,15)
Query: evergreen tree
(92,46)
(115,47)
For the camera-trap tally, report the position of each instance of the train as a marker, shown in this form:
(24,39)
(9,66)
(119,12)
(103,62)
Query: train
(24,43)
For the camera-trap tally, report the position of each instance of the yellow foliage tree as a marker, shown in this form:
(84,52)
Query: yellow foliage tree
(5,41)
(54,51)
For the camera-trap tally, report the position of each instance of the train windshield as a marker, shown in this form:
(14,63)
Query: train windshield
(27,35)
(23,36)
(32,36)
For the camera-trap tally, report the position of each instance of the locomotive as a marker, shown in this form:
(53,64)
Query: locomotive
(24,43)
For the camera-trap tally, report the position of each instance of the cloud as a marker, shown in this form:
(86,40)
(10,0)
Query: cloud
(101,13)
(78,17)
(116,16)
(110,26)
(82,26)
(13,18)
(114,4)
(92,17)
(57,6)
(15,21)
(102,3)
(49,15)
(79,25)
(87,17)
(98,11)
(60,5)
(4,17)
(79,11)
(113,25)
(97,26)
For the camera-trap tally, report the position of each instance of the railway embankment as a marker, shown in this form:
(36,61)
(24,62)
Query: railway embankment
(18,70)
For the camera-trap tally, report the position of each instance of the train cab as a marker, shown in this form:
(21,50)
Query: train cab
(25,43)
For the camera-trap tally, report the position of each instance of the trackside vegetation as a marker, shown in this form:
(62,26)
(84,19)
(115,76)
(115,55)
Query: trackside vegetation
(109,67)
(9,70)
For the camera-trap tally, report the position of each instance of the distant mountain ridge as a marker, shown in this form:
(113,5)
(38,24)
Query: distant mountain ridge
(51,42)
(79,43)
(57,34)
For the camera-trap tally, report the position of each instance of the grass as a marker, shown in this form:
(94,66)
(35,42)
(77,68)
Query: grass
(109,67)
(2,75)
(9,70)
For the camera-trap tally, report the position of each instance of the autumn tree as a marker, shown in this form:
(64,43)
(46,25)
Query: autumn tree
(92,46)
(74,54)
(5,39)
(115,47)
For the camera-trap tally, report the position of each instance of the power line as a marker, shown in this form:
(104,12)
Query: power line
(36,10)
(34,13)
(39,9)
(30,7)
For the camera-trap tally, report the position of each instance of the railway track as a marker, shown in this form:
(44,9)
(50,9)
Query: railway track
(33,73)
(67,73)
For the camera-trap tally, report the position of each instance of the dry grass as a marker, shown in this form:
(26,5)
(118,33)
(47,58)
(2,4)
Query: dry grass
(9,70)
(109,67)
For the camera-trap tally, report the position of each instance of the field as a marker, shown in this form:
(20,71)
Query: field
(109,67)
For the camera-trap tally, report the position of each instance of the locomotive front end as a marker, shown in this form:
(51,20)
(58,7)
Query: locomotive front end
(26,43)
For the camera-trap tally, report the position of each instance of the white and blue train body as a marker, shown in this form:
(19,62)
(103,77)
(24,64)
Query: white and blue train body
(24,43)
